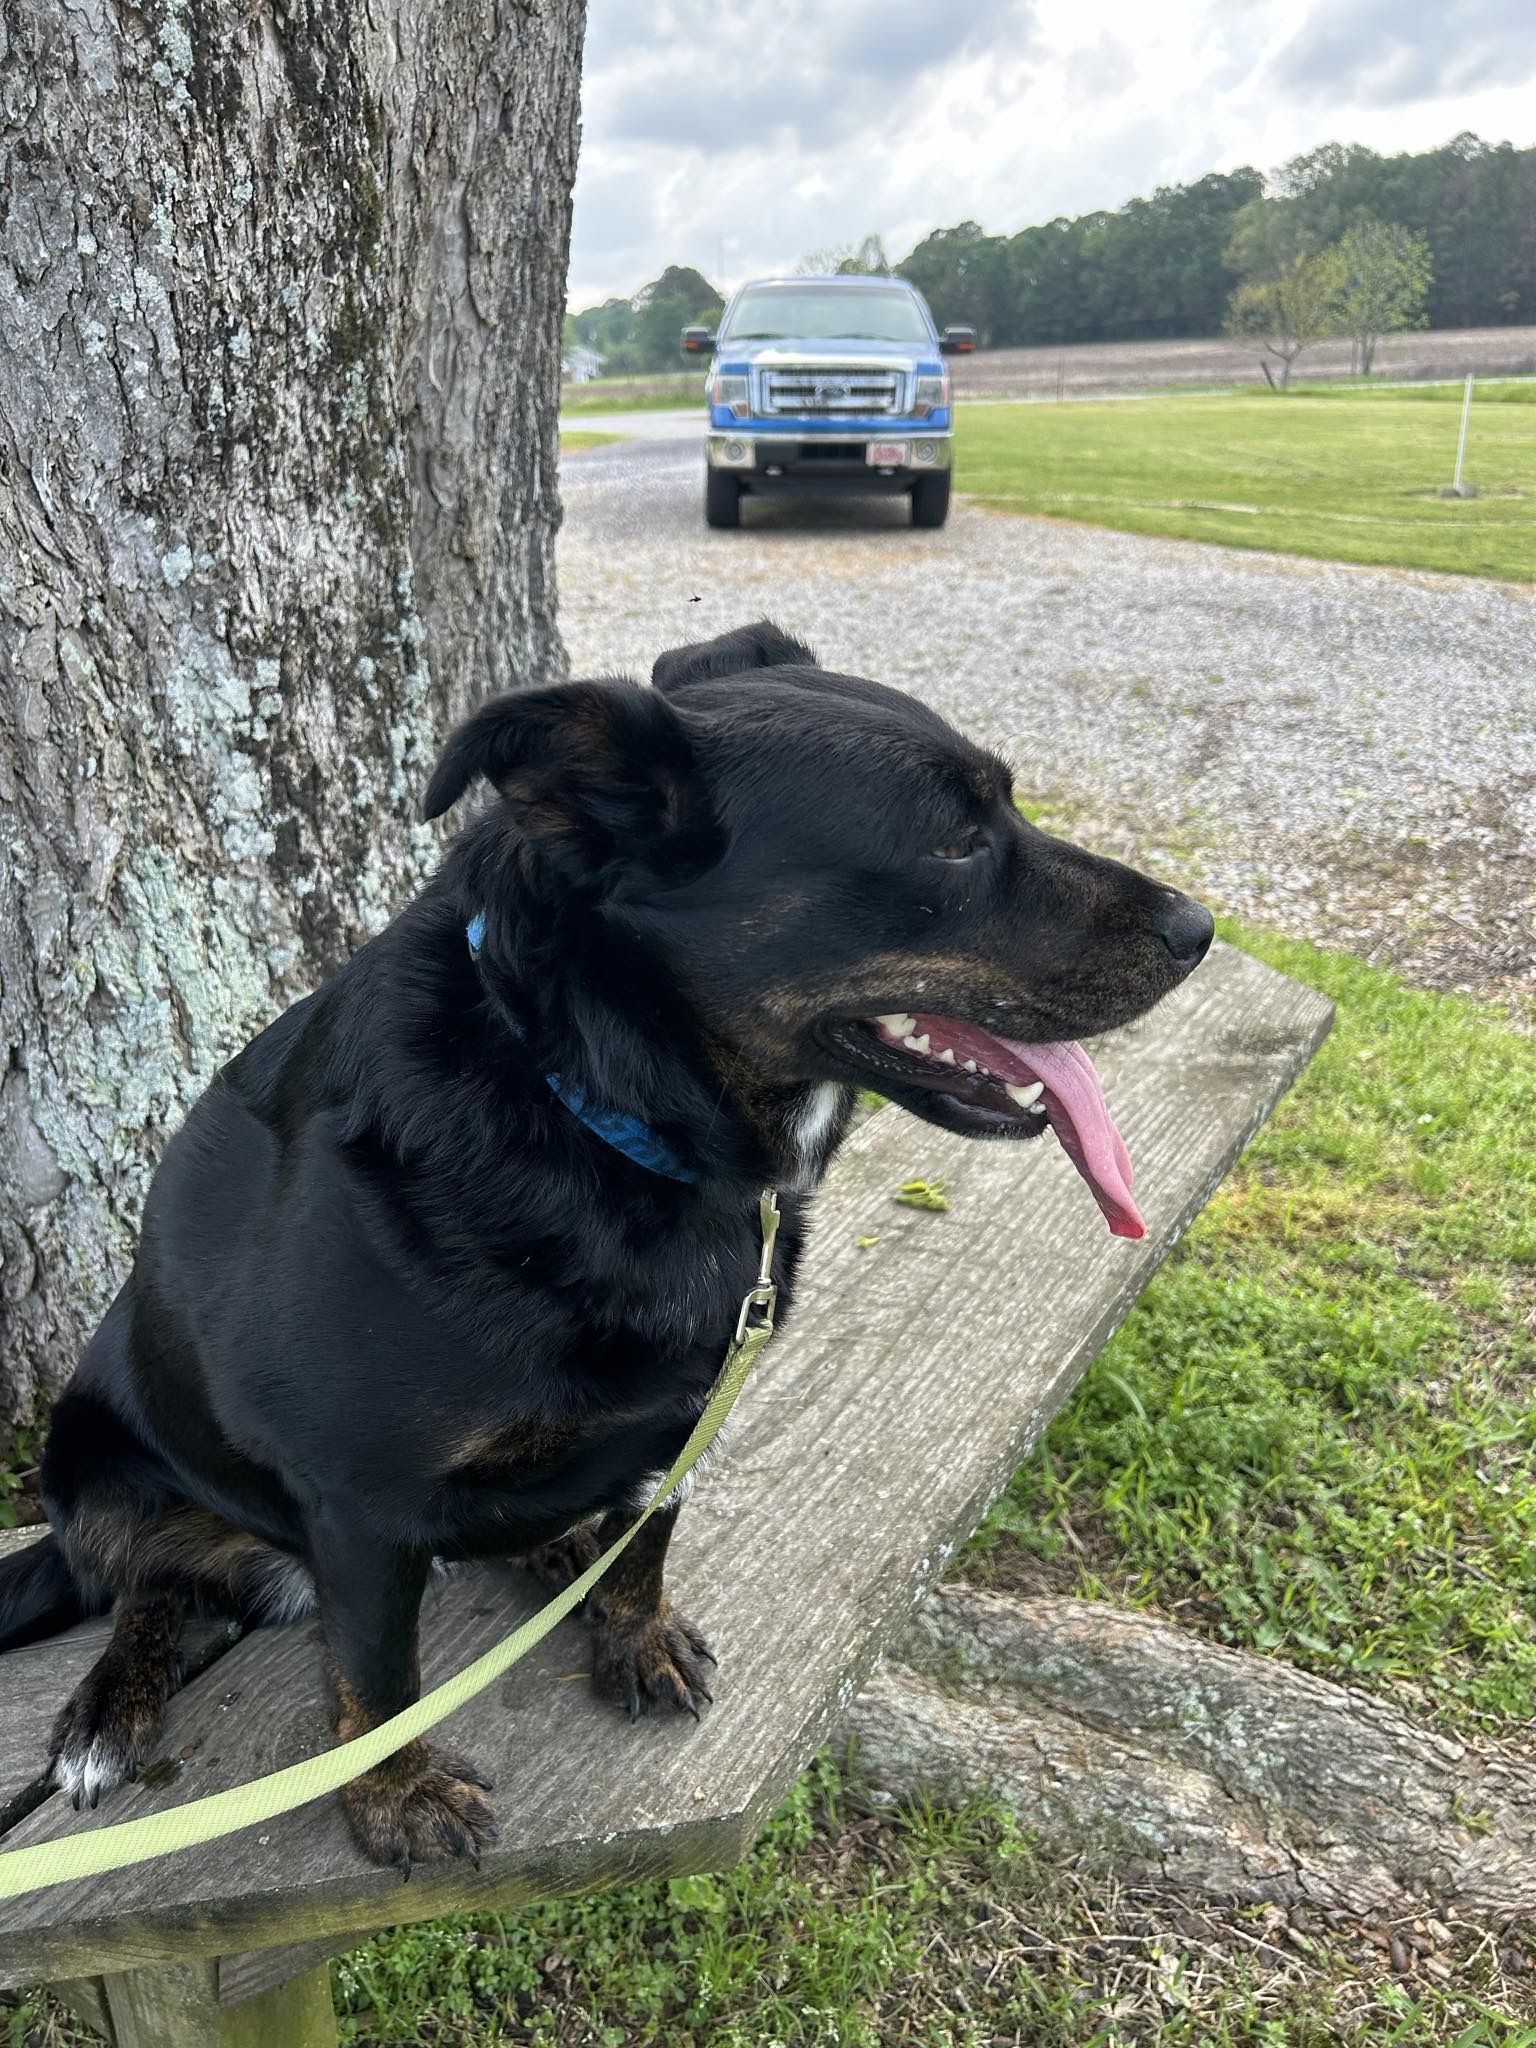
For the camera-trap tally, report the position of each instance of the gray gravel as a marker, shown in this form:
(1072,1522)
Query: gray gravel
(1348,754)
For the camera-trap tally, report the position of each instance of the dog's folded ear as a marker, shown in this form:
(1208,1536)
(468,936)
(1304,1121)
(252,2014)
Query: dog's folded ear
(749,647)
(601,777)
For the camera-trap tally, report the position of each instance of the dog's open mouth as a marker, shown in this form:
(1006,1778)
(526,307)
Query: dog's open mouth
(1013,1084)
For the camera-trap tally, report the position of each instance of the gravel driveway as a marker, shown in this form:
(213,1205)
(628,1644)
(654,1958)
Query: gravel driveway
(1348,754)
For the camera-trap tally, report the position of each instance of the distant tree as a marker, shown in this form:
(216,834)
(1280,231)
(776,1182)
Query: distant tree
(637,335)
(609,329)
(1267,238)
(1386,276)
(959,271)
(679,298)
(678,281)
(851,259)
(1166,265)
(1282,315)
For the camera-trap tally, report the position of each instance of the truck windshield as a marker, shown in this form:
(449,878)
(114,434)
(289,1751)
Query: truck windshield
(826,312)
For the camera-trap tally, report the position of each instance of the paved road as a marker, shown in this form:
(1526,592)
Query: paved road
(1345,753)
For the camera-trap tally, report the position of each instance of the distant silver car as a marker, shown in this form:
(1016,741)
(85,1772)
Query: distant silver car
(828,384)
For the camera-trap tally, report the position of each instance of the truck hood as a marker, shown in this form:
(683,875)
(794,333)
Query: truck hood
(846,355)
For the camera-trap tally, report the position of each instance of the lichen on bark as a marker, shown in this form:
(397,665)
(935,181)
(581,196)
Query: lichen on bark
(281,292)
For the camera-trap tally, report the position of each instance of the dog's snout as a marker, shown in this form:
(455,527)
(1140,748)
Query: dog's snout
(1186,928)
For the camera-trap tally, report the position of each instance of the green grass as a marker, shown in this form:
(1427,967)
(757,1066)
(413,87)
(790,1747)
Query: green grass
(855,1926)
(574,443)
(634,394)
(851,1927)
(1349,474)
(1314,1434)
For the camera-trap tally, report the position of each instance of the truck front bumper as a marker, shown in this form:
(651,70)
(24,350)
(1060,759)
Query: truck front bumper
(849,462)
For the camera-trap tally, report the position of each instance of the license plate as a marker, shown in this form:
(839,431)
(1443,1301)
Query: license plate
(887,454)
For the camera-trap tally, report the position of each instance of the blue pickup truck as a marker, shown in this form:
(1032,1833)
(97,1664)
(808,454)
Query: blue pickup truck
(828,384)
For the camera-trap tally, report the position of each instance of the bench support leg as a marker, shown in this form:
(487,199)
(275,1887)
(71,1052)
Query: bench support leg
(178,2007)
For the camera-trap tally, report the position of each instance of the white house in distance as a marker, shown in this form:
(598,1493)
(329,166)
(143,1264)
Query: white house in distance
(580,364)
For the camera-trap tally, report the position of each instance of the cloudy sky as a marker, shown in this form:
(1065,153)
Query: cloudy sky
(737,135)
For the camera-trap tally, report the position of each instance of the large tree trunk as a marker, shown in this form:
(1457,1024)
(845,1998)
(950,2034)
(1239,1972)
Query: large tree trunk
(281,293)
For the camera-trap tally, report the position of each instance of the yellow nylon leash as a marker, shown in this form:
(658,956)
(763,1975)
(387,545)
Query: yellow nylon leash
(222,1813)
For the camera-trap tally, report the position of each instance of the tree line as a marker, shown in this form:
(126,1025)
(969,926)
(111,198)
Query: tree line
(1169,265)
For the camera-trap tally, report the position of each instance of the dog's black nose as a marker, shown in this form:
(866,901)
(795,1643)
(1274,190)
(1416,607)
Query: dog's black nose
(1186,928)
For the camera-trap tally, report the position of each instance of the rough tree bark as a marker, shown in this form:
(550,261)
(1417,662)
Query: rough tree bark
(281,292)
(1224,1774)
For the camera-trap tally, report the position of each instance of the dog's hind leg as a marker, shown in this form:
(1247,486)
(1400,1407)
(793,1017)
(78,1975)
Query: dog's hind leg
(157,1565)
(109,1720)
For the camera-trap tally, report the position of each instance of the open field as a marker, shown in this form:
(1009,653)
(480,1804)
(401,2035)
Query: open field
(1345,474)
(634,394)
(1103,368)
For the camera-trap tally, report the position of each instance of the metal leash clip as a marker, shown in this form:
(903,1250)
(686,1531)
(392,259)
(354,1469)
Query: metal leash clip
(763,1297)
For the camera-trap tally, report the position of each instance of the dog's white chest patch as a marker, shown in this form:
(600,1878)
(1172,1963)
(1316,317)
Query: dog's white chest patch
(810,1129)
(647,1483)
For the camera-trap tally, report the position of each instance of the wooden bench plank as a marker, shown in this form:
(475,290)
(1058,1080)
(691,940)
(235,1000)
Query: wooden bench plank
(916,1376)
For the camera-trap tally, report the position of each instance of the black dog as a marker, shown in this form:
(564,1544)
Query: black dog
(444,1263)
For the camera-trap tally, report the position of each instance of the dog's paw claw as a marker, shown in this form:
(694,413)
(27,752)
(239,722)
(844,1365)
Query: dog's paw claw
(404,1817)
(650,1661)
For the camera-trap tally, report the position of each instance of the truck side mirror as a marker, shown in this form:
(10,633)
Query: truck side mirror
(957,341)
(698,341)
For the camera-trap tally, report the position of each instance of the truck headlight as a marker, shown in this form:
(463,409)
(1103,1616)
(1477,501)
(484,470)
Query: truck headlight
(732,393)
(930,394)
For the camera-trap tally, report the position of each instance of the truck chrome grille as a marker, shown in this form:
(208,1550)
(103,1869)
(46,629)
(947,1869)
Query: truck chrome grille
(831,393)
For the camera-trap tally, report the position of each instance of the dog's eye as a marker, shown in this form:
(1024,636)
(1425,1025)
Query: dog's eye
(967,844)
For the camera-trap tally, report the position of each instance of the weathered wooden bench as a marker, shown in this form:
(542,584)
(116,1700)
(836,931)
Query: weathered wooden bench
(927,1354)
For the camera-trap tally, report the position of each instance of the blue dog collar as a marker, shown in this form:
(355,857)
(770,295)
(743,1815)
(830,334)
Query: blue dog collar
(626,1134)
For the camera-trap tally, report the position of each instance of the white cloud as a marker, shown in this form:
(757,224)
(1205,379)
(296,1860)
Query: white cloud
(736,135)
(1394,51)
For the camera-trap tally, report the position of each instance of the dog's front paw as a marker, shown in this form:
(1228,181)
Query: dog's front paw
(650,1659)
(420,1806)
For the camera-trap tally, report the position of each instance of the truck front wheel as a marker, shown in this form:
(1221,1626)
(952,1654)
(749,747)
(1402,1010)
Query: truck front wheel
(930,500)
(722,498)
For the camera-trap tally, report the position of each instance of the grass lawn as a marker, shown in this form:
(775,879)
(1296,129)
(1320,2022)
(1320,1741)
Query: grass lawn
(1347,474)
(634,394)
(573,444)
(1312,1436)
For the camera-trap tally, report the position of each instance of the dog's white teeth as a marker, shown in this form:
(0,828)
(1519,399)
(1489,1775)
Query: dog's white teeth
(917,1044)
(1026,1098)
(969,1066)
(898,1024)
(947,1057)
(1038,1110)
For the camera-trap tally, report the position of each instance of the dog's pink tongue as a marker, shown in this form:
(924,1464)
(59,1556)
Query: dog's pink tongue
(1074,1100)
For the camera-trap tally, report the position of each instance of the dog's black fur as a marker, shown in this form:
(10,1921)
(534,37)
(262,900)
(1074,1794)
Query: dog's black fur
(394,1302)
